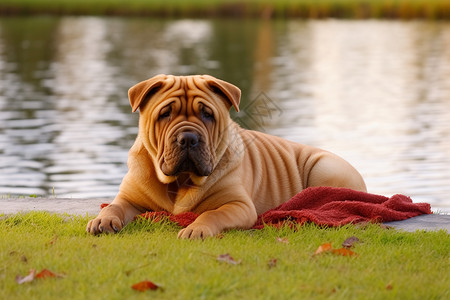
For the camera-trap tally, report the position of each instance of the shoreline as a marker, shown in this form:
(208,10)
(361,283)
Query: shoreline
(265,9)
(91,207)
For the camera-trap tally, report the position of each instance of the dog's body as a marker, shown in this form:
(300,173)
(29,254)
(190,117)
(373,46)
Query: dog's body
(190,156)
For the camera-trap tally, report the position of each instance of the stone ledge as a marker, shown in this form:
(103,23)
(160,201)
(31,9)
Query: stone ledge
(55,205)
(423,222)
(92,208)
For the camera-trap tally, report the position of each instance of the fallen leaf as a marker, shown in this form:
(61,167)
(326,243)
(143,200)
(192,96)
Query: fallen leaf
(228,259)
(326,248)
(30,277)
(283,240)
(46,273)
(144,286)
(389,287)
(343,252)
(272,263)
(323,248)
(348,243)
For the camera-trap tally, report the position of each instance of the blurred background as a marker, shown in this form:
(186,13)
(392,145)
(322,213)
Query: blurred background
(368,80)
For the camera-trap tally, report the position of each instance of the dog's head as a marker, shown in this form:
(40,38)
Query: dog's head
(184,123)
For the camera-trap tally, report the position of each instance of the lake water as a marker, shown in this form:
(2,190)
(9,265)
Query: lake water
(375,92)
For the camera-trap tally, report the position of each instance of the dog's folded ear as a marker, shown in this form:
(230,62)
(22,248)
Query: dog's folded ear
(228,91)
(142,91)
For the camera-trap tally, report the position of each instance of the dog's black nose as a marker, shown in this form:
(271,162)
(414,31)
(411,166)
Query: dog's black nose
(187,139)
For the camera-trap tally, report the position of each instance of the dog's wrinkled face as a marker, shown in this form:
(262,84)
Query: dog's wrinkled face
(186,148)
(183,121)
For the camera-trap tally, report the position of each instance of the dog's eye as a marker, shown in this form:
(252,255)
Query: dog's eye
(165,113)
(207,114)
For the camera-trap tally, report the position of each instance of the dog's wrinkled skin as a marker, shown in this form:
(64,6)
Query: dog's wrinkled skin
(189,156)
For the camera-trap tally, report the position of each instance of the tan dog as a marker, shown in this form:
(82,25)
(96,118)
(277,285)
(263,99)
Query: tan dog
(190,156)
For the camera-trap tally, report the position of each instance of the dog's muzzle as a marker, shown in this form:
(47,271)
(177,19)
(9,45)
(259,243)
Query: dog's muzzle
(189,155)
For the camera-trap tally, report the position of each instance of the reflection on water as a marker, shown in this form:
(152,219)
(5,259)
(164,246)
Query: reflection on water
(375,92)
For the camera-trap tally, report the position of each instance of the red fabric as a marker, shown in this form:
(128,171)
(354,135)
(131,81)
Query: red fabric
(339,206)
(326,206)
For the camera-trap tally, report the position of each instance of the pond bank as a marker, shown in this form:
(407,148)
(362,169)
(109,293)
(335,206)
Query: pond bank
(92,208)
(347,9)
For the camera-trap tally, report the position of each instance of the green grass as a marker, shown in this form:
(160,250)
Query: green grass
(405,9)
(389,265)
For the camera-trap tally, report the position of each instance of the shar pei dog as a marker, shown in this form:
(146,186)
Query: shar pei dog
(190,156)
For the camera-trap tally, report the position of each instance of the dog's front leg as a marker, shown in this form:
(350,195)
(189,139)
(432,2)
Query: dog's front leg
(113,218)
(236,214)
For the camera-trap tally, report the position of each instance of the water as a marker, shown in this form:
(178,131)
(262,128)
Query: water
(375,92)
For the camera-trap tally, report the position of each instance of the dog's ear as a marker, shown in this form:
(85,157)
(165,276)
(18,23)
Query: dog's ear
(142,91)
(230,92)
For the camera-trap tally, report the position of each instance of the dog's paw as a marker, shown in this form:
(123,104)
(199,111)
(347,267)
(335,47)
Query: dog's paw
(106,224)
(196,231)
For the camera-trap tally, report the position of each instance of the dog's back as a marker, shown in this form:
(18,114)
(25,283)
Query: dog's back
(275,169)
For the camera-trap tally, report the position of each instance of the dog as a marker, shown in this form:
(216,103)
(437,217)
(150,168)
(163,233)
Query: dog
(190,156)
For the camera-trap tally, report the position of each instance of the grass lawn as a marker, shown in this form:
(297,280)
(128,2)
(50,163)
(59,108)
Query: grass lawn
(274,263)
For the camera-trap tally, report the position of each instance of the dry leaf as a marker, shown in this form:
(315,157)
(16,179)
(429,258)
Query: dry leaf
(228,259)
(348,243)
(323,248)
(343,252)
(283,240)
(30,277)
(144,286)
(326,248)
(389,287)
(272,263)
(47,273)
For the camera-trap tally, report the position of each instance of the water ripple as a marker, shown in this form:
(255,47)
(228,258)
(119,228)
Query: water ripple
(375,92)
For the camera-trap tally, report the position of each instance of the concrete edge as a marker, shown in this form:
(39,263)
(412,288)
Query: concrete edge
(55,205)
(432,222)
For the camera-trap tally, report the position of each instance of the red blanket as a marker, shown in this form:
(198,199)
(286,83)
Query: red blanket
(327,206)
